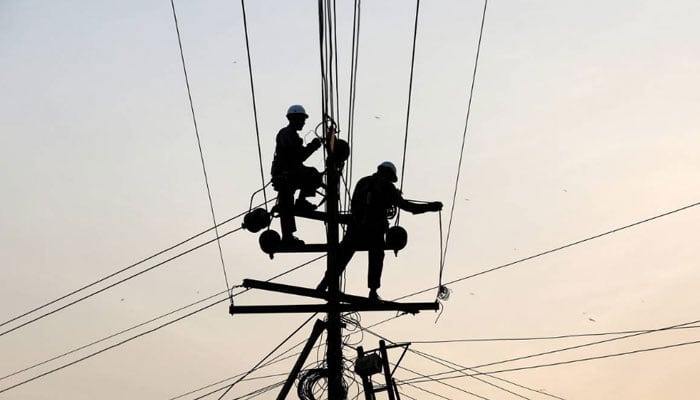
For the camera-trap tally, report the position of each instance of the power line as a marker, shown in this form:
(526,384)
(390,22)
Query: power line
(408,107)
(443,383)
(75,350)
(151,330)
(112,346)
(435,358)
(356,18)
(576,346)
(274,360)
(625,353)
(243,380)
(556,249)
(199,146)
(405,395)
(248,395)
(124,269)
(589,344)
(399,382)
(117,283)
(464,137)
(535,338)
(528,258)
(335,55)
(429,355)
(260,391)
(468,392)
(256,366)
(442,362)
(279,358)
(255,109)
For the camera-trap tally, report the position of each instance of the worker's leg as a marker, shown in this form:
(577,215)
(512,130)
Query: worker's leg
(375,259)
(285,202)
(347,250)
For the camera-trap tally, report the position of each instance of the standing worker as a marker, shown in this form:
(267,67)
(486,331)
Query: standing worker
(289,172)
(373,203)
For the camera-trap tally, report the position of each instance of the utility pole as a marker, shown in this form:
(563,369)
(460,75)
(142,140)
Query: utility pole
(336,302)
(334,350)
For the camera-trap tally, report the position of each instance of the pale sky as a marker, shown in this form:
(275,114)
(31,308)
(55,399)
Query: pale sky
(585,118)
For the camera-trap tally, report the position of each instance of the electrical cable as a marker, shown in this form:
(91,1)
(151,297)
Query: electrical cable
(556,249)
(590,344)
(112,346)
(442,362)
(256,366)
(75,350)
(353,90)
(273,361)
(253,393)
(464,139)
(335,53)
(258,392)
(154,329)
(443,383)
(443,293)
(454,365)
(399,382)
(320,47)
(405,395)
(408,108)
(577,346)
(255,108)
(566,362)
(468,392)
(87,296)
(199,146)
(124,269)
(535,338)
(277,359)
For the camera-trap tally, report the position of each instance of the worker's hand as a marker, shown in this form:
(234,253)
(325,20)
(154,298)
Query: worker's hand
(315,144)
(435,206)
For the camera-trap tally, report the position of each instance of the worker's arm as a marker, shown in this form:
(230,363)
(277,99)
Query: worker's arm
(418,208)
(309,149)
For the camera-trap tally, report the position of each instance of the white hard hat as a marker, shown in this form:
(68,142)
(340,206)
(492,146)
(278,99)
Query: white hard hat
(389,166)
(297,109)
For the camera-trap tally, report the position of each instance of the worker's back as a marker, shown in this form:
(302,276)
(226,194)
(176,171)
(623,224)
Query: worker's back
(373,200)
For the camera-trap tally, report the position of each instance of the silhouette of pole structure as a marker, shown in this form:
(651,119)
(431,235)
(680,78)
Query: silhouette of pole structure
(375,362)
(334,350)
(336,302)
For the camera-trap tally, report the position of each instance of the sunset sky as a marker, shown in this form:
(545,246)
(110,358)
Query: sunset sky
(585,118)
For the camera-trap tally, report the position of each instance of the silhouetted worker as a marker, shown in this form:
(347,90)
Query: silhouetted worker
(373,202)
(289,172)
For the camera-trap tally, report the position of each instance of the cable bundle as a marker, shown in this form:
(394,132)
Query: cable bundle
(307,380)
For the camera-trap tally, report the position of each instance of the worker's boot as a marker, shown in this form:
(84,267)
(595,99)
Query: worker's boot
(292,240)
(303,205)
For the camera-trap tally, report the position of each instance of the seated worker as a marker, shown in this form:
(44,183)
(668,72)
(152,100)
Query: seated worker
(373,203)
(289,172)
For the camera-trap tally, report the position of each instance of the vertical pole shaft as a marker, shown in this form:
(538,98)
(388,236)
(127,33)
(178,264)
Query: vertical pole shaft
(366,381)
(334,351)
(387,370)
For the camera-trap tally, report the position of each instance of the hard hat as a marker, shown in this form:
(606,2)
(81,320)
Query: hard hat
(388,165)
(296,109)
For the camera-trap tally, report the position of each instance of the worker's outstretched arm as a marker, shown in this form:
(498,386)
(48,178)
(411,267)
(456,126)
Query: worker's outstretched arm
(309,149)
(418,208)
